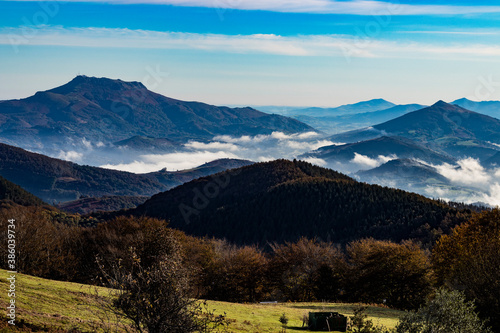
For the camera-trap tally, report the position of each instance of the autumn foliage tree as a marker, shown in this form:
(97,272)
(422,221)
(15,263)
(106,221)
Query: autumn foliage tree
(382,271)
(44,247)
(469,260)
(306,270)
(150,282)
(236,273)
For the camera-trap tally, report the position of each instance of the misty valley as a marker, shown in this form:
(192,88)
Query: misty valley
(161,215)
(277,166)
(94,125)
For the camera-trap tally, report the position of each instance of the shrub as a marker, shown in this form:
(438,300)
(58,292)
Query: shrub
(448,312)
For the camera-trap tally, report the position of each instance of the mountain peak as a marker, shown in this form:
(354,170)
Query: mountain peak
(82,83)
(462,100)
(440,103)
(378,100)
(110,110)
(102,80)
(375,101)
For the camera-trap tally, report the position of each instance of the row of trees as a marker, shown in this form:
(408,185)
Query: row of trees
(368,270)
(373,271)
(400,275)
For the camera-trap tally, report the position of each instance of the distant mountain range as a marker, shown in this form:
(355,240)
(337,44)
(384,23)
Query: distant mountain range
(443,127)
(284,200)
(107,111)
(405,152)
(490,108)
(367,113)
(346,117)
(345,122)
(360,107)
(57,180)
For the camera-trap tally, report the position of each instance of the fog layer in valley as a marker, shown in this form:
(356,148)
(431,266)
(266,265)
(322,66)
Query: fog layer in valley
(466,181)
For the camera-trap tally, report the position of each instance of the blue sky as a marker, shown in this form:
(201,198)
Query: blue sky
(258,52)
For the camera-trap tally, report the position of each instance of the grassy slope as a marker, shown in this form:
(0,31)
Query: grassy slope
(264,317)
(51,304)
(64,305)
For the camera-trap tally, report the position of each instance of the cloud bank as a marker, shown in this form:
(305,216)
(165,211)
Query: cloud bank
(257,148)
(301,45)
(171,161)
(484,184)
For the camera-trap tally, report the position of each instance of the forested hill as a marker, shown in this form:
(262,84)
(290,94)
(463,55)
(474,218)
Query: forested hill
(13,192)
(56,180)
(283,201)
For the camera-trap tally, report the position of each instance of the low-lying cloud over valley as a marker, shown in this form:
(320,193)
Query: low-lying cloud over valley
(257,148)
(467,181)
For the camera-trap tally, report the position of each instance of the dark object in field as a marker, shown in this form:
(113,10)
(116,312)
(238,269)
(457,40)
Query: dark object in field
(327,321)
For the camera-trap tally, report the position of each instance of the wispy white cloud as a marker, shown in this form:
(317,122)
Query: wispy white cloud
(301,45)
(474,32)
(467,172)
(316,161)
(70,155)
(353,7)
(86,143)
(366,162)
(146,39)
(171,161)
(215,145)
(229,138)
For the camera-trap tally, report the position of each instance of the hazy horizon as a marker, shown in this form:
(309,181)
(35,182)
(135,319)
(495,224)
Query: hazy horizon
(238,52)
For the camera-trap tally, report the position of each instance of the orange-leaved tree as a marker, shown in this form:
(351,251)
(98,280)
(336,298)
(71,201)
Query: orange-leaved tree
(469,260)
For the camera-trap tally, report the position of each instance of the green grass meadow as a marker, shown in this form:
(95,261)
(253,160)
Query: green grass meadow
(54,306)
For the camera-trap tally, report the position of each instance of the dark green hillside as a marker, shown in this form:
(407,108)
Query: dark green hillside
(53,179)
(15,193)
(57,180)
(107,203)
(284,200)
(175,178)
